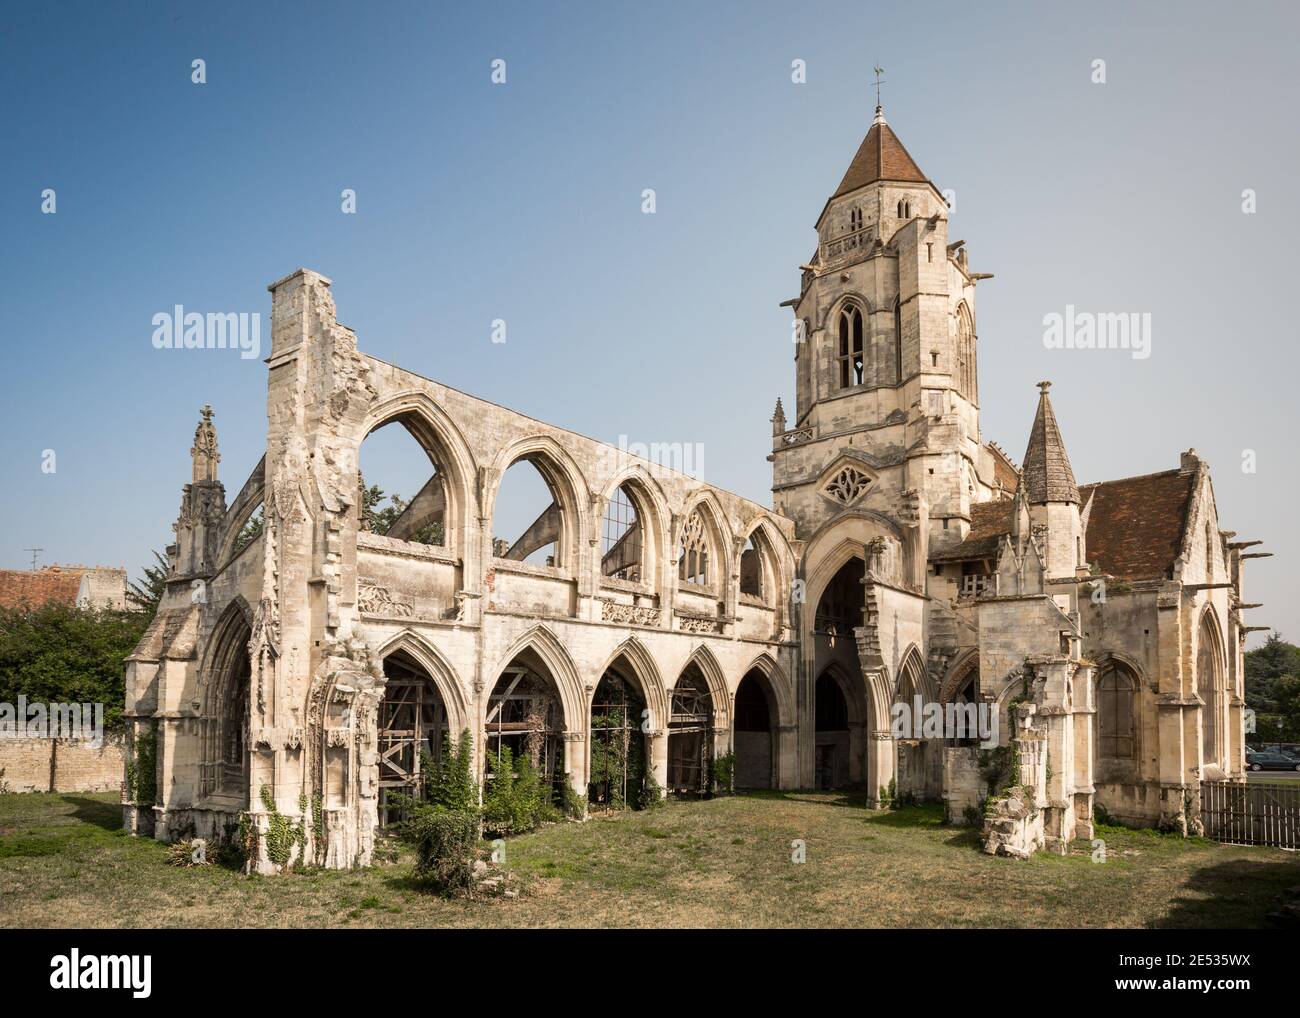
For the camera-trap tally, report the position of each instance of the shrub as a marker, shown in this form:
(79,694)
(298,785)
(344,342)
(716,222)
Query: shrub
(142,769)
(446,842)
(450,780)
(517,801)
(652,793)
(724,773)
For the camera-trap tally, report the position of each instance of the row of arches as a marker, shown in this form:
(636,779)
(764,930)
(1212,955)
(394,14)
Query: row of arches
(629,722)
(537,518)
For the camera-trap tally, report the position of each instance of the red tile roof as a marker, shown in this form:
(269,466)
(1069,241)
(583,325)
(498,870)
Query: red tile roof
(19,587)
(1136,525)
(881,156)
(989,523)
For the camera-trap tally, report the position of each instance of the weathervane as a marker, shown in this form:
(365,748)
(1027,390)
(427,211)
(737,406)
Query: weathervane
(879,81)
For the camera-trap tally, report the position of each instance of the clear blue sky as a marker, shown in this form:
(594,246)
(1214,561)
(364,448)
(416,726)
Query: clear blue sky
(522,202)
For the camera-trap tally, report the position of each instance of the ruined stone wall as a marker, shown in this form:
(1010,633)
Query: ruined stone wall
(61,765)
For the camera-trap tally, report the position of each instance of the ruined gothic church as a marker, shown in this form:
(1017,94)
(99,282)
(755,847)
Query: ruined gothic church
(308,661)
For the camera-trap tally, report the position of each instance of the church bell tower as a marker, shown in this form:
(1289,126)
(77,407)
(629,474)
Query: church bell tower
(886,414)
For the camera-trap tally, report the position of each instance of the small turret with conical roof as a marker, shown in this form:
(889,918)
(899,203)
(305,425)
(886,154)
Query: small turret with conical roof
(1050,489)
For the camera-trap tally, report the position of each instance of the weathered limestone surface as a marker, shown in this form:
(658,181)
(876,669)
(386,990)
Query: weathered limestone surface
(906,560)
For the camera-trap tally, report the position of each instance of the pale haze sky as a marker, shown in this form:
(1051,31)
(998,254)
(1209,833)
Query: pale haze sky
(522,202)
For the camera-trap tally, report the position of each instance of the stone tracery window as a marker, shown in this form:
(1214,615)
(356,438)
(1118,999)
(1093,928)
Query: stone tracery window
(693,561)
(847,485)
(851,360)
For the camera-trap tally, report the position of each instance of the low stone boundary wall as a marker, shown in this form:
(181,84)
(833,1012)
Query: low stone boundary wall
(61,765)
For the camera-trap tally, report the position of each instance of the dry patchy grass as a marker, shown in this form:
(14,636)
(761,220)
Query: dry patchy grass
(724,862)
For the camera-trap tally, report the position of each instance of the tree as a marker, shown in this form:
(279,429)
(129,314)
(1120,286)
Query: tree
(63,654)
(1273,689)
(146,595)
(250,532)
(380,521)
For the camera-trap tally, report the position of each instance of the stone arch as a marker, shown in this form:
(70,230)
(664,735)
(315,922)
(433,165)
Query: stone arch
(703,657)
(565,481)
(541,641)
(647,675)
(779,685)
(767,545)
(444,444)
(715,520)
(755,731)
(913,666)
(959,672)
(250,498)
(919,762)
(418,647)
(965,369)
(830,313)
(698,713)
(1210,668)
(652,509)
(226,720)
(837,755)
(831,546)
(1117,724)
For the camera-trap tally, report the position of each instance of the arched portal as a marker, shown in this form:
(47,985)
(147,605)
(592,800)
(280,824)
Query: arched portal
(964,689)
(919,767)
(525,716)
(412,732)
(228,713)
(840,705)
(831,711)
(618,746)
(690,734)
(755,732)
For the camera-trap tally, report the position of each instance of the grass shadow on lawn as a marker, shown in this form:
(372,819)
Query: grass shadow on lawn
(105,815)
(850,797)
(1228,895)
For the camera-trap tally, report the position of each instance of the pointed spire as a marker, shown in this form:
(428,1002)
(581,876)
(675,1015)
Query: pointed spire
(1046,471)
(881,156)
(778,418)
(204,451)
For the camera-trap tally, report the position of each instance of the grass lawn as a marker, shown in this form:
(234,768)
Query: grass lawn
(726,862)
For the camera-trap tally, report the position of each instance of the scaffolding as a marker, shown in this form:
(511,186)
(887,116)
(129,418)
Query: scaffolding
(412,721)
(618,752)
(690,735)
(524,715)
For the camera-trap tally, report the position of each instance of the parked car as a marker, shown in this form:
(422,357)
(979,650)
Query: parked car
(1271,761)
(1286,749)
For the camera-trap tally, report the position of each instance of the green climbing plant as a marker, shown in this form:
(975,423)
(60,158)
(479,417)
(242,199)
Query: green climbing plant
(282,833)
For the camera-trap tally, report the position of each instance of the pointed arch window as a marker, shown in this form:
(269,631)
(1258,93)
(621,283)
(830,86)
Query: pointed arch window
(693,561)
(1116,732)
(1208,685)
(852,364)
(904,209)
(965,369)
